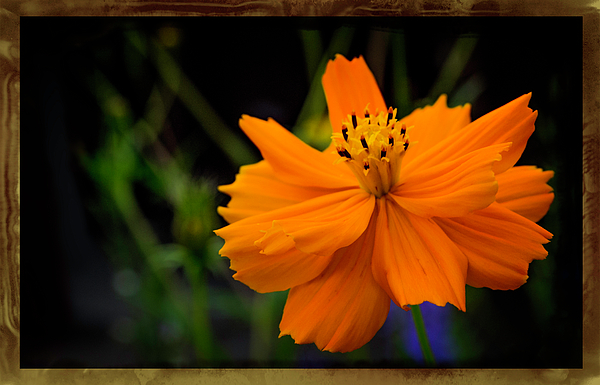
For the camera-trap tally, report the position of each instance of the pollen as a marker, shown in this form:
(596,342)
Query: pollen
(373,147)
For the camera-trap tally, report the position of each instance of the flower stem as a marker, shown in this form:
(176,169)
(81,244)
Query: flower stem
(422,334)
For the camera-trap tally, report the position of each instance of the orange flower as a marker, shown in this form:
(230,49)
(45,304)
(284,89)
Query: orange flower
(409,210)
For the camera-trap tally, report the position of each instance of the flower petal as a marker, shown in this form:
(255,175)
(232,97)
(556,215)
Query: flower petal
(257,190)
(450,188)
(524,190)
(292,160)
(350,86)
(284,266)
(329,223)
(282,248)
(414,261)
(499,244)
(433,124)
(341,309)
(267,273)
(511,123)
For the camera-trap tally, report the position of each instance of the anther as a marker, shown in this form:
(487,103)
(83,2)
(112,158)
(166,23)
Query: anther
(345,133)
(354,122)
(344,153)
(367,116)
(390,115)
(383,152)
(366,165)
(403,130)
(364,142)
(391,140)
(405,145)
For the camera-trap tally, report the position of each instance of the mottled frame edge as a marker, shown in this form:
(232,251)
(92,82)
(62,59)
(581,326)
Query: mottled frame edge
(10,196)
(12,10)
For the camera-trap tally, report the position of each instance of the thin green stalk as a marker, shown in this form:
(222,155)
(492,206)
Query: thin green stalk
(422,334)
(400,78)
(308,127)
(200,323)
(453,66)
(174,77)
(315,104)
(313,50)
(262,326)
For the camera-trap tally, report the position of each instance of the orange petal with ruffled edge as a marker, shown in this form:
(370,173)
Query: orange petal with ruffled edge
(317,226)
(433,124)
(452,188)
(350,86)
(511,123)
(414,261)
(499,245)
(341,309)
(267,273)
(292,160)
(284,237)
(331,222)
(257,190)
(524,190)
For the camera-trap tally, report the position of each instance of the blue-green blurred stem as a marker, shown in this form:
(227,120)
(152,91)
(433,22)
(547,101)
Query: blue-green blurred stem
(400,78)
(422,334)
(453,66)
(313,50)
(307,125)
(196,103)
(200,322)
(263,327)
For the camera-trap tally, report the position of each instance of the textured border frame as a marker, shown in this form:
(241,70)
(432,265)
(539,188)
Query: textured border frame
(12,10)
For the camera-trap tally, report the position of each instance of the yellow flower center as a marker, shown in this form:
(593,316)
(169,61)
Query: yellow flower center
(373,148)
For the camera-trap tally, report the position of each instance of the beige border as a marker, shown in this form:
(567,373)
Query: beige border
(10,13)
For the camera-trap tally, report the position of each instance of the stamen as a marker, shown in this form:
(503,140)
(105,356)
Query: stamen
(368,147)
(364,142)
(343,152)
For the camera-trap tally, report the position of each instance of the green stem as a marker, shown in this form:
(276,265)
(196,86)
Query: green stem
(422,334)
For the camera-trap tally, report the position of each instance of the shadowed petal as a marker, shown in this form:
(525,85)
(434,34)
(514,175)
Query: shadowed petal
(341,309)
(257,190)
(350,86)
(322,229)
(499,244)
(451,188)
(524,190)
(266,261)
(266,273)
(287,241)
(511,123)
(433,124)
(414,261)
(292,160)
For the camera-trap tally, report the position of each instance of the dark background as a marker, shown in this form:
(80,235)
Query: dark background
(69,307)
